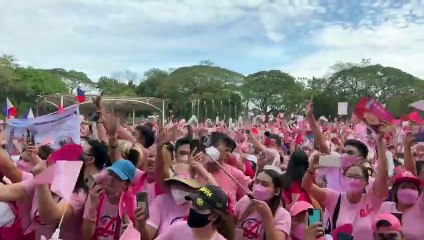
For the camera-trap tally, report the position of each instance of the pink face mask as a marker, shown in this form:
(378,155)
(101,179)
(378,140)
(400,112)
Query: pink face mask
(354,185)
(298,232)
(24,166)
(347,160)
(261,193)
(407,196)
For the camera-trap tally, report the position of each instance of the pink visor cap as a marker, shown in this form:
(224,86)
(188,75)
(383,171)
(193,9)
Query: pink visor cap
(387,220)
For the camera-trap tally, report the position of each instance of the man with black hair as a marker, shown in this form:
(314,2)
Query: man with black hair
(182,150)
(216,155)
(356,148)
(144,135)
(95,154)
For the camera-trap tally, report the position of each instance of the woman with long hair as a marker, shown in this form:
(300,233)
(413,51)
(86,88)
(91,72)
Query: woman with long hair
(359,204)
(292,179)
(264,216)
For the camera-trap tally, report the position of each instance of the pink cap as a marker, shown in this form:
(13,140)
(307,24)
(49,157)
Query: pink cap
(391,219)
(69,152)
(299,207)
(406,176)
(346,228)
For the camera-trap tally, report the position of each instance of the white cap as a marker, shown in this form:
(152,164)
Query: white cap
(213,153)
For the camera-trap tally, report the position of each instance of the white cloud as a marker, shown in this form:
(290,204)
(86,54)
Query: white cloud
(103,36)
(387,45)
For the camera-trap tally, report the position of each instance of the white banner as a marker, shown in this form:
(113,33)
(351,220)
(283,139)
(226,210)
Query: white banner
(55,129)
(342,108)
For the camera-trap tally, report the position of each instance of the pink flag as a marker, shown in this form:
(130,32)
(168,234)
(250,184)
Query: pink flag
(62,176)
(130,233)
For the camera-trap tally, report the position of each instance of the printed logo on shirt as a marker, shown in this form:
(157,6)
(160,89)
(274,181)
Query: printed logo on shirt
(106,226)
(365,212)
(177,219)
(251,227)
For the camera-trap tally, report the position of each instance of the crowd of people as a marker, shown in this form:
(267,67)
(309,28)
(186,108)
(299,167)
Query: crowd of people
(213,181)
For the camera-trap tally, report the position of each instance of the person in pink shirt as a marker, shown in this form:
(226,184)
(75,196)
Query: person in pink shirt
(356,206)
(388,227)
(292,179)
(300,229)
(222,147)
(208,217)
(45,208)
(264,216)
(298,212)
(408,204)
(101,219)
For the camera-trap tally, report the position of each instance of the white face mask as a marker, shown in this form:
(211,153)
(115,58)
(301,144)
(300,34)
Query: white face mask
(179,196)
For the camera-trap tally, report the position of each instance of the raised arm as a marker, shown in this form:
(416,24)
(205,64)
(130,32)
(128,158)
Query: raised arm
(319,137)
(381,183)
(409,157)
(161,168)
(310,187)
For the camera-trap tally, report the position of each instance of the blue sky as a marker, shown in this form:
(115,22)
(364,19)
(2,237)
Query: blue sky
(302,37)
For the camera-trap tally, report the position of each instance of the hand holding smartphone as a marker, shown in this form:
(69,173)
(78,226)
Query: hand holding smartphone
(30,138)
(329,161)
(143,202)
(314,216)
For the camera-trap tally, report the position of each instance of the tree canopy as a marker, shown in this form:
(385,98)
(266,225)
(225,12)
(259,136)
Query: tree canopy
(207,90)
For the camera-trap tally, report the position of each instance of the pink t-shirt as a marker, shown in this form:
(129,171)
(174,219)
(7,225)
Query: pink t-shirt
(140,184)
(164,212)
(181,230)
(410,219)
(360,214)
(233,190)
(107,219)
(252,226)
(68,227)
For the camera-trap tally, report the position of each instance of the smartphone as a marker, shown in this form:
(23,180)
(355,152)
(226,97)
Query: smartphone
(143,202)
(30,138)
(196,145)
(314,216)
(329,161)
(344,236)
(419,137)
(90,182)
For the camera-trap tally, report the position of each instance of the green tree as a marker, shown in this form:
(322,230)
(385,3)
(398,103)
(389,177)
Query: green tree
(274,91)
(111,86)
(73,79)
(387,84)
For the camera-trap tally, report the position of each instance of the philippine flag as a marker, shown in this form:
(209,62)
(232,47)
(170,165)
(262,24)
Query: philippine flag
(80,95)
(9,111)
